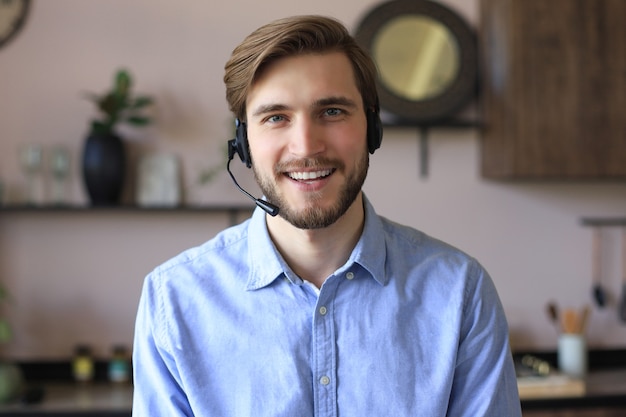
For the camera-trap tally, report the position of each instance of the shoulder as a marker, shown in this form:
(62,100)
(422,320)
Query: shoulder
(427,262)
(227,246)
(419,245)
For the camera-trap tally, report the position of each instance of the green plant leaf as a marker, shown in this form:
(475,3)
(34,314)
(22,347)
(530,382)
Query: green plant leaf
(99,127)
(5,332)
(109,104)
(117,105)
(139,120)
(141,101)
(207,175)
(123,82)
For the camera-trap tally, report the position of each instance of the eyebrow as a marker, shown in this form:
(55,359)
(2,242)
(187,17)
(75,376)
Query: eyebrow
(326,101)
(269,108)
(335,100)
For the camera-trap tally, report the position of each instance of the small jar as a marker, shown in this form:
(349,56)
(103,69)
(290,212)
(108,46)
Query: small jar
(83,365)
(119,365)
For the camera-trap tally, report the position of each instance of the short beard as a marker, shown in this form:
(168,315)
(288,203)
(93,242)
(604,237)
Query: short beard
(315,217)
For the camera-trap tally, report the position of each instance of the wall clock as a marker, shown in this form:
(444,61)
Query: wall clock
(12,17)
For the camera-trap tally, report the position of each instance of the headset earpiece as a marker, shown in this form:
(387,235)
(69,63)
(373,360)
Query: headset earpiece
(240,143)
(374,130)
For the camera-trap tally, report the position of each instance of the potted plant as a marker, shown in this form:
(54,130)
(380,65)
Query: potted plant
(104,158)
(11,379)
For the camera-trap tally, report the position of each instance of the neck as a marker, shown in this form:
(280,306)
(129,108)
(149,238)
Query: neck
(315,254)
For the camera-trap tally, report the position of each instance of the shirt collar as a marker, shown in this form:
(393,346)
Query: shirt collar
(371,250)
(266,263)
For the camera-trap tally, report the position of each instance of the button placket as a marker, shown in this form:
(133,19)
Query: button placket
(325,350)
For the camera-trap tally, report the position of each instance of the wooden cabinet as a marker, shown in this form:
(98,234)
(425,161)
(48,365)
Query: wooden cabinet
(554,89)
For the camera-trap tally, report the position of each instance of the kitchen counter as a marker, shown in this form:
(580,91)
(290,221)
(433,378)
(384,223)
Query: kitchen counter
(73,399)
(605,388)
(602,388)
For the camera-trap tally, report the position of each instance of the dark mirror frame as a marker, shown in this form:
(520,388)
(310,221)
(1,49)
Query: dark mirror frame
(17,25)
(461,90)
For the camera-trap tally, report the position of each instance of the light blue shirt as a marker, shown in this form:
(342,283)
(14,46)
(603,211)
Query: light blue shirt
(409,326)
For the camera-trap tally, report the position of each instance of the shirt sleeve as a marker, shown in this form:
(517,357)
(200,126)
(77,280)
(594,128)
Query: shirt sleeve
(157,388)
(484,382)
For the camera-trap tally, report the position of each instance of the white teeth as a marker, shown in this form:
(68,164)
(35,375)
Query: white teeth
(309,175)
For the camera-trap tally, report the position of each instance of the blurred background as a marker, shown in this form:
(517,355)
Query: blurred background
(74,276)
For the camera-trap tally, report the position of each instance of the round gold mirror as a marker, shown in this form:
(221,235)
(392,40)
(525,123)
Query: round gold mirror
(426,58)
(417,57)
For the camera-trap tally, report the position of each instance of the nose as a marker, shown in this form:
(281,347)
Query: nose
(307,139)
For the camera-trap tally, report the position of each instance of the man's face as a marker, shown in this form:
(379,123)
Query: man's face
(307,136)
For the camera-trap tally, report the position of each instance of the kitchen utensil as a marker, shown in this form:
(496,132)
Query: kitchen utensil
(553,313)
(584,318)
(570,322)
(622,303)
(599,294)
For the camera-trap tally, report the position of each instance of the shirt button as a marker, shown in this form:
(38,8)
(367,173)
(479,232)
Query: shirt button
(324,380)
(323,310)
(350,275)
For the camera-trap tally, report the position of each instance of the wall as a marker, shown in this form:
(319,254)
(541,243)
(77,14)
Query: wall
(77,277)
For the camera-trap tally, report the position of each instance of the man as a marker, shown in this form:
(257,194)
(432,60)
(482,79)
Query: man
(326,309)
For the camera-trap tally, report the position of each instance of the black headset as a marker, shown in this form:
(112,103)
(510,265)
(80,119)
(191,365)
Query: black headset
(239,144)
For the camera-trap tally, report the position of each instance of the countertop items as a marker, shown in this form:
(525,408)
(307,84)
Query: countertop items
(92,399)
(536,378)
(54,394)
(606,388)
(603,387)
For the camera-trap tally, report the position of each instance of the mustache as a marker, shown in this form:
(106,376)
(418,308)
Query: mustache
(308,163)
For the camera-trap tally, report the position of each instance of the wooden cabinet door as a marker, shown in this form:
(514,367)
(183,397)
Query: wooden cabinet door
(553,89)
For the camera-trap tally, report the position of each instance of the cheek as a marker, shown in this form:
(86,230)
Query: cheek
(354,140)
(262,153)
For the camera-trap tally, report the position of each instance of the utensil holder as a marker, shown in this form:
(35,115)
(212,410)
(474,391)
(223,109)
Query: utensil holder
(572,354)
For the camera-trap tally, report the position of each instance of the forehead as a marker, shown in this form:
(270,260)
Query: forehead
(304,77)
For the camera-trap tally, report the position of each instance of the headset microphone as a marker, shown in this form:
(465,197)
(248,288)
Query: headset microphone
(266,206)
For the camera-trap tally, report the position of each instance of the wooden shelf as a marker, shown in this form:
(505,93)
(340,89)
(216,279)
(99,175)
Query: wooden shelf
(232,210)
(603,221)
(123,208)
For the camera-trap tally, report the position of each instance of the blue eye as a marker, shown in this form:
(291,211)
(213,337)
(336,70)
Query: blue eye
(333,112)
(275,119)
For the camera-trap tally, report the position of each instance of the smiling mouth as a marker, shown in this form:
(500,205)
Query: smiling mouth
(310,175)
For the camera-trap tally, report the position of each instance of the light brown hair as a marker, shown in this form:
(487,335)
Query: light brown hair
(289,37)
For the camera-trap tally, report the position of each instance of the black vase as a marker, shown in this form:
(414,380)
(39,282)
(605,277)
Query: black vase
(104,168)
